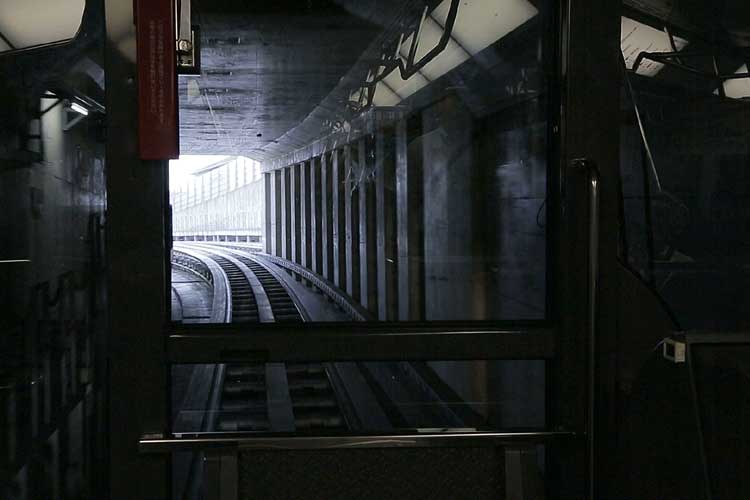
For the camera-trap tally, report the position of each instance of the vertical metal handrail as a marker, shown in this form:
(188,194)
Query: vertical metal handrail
(593,181)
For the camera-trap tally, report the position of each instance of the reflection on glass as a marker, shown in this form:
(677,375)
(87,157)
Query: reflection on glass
(358,397)
(686,188)
(403,151)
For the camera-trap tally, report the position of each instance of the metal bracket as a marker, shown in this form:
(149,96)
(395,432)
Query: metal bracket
(188,40)
(674,350)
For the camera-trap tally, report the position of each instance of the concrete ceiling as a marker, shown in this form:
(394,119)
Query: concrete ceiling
(265,70)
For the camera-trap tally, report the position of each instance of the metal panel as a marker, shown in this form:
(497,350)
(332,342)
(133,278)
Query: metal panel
(225,343)
(158,128)
(137,203)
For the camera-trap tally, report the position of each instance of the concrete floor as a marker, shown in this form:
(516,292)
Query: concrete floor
(191,298)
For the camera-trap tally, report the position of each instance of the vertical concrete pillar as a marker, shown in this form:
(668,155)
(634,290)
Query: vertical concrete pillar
(286,213)
(305,214)
(367,235)
(385,196)
(351,211)
(268,198)
(294,175)
(338,218)
(316,229)
(409,215)
(325,215)
(277,174)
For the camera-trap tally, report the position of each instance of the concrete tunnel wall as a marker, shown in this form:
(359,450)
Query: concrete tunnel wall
(436,217)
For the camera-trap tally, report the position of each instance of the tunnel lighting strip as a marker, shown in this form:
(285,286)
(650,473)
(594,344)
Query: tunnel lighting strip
(79,109)
(15,261)
(454,39)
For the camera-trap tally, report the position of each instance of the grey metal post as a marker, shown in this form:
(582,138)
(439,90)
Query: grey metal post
(276,214)
(351,211)
(385,194)
(268,236)
(286,214)
(325,215)
(305,213)
(316,229)
(367,235)
(338,218)
(409,208)
(296,198)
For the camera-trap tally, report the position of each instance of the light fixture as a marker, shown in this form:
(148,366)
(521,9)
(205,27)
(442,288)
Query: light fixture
(79,109)
(636,37)
(737,88)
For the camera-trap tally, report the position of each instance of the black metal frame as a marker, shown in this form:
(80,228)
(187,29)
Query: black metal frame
(154,444)
(327,342)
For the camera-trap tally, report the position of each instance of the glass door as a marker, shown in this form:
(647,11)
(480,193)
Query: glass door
(384,235)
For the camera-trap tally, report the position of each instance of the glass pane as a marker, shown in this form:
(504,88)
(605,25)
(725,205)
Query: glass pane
(403,150)
(358,397)
(685,152)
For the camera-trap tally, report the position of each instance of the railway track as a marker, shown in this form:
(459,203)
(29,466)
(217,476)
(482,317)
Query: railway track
(248,395)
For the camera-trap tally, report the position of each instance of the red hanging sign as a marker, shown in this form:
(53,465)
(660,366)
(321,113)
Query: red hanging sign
(158,124)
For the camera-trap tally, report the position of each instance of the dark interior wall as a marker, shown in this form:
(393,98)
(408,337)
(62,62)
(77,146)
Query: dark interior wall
(52,323)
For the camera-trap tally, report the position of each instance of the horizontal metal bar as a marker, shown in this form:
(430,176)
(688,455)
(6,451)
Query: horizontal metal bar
(414,440)
(713,337)
(353,342)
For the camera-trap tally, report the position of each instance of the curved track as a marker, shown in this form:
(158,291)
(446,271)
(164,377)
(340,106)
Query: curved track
(246,400)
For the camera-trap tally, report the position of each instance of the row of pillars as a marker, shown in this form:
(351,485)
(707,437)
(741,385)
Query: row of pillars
(353,215)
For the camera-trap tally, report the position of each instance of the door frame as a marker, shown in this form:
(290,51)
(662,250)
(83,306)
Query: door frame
(138,271)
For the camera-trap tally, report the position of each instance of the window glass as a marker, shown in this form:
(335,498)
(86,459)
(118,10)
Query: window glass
(403,151)
(685,154)
(358,397)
